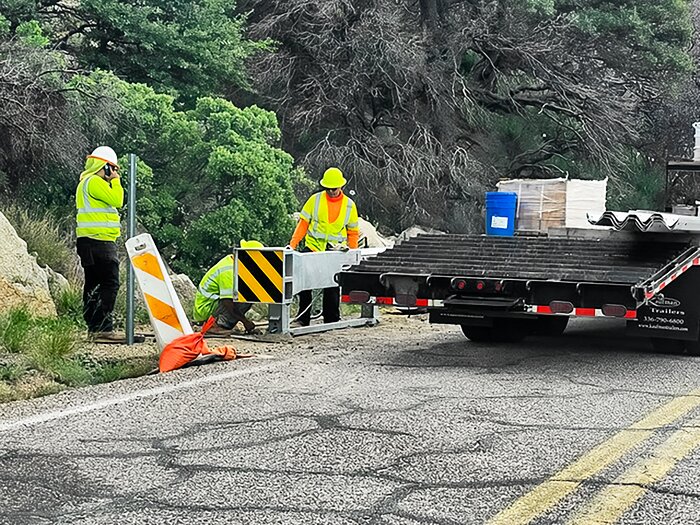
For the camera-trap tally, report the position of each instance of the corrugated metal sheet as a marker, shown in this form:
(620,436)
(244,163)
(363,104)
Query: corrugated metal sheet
(542,258)
(646,221)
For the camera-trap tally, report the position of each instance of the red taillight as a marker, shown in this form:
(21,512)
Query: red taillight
(499,286)
(561,307)
(480,285)
(461,284)
(359,296)
(614,310)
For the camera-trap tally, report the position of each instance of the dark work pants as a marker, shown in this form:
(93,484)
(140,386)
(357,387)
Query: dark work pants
(224,319)
(331,304)
(100,261)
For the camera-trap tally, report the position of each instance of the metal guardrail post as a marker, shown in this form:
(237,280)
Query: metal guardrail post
(131,232)
(278,319)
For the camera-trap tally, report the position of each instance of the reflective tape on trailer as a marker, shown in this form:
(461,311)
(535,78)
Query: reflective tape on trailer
(659,286)
(579,312)
(391,301)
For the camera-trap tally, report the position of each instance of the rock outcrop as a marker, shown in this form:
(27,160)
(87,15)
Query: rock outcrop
(22,280)
(185,289)
(372,238)
(414,231)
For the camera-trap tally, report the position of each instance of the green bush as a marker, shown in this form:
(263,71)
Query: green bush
(639,185)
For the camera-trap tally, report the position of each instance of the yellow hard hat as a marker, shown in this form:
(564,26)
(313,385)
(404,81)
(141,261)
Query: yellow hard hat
(333,178)
(251,244)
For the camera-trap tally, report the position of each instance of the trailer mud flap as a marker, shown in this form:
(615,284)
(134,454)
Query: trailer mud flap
(673,314)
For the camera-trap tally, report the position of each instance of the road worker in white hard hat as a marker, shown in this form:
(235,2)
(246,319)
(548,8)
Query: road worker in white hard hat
(98,197)
(215,297)
(328,219)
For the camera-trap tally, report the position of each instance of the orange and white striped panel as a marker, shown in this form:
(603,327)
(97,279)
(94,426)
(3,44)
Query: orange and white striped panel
(168,318)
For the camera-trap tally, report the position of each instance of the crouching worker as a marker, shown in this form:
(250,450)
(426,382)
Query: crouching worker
(215,297)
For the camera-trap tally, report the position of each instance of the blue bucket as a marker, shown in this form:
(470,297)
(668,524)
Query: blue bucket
(500,213)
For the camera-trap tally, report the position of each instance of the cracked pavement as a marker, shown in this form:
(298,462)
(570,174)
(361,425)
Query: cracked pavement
(401,424)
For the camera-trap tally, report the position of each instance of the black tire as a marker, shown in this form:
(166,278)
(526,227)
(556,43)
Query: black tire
(512,330)
(504,330)
(675,346)
(478,334)
(551,325)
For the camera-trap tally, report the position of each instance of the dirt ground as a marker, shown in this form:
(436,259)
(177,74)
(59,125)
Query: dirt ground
(142,358)
(391,322)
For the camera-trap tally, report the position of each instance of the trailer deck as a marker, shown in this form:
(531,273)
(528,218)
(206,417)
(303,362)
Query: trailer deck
(561,259)
(474,279)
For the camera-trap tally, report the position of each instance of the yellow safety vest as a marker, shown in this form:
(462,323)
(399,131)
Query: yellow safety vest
(96,203)
(321,232)
(216,284)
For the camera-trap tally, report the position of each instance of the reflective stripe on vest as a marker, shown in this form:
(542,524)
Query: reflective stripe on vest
(320,231)
(211,279)
(93,219)
(211,291)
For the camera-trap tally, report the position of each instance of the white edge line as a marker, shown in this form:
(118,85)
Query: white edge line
(60,414)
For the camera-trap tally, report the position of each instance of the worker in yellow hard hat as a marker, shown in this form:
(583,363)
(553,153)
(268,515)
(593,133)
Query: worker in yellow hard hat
(215,297)
(98,197)
(328,219)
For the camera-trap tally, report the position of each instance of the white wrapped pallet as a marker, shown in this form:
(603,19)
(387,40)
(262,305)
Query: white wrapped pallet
(555,203)
(541,203)
(583,197)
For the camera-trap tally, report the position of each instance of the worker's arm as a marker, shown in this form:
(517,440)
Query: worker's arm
(299,233)
(353,239)
(353,228)
(100,189)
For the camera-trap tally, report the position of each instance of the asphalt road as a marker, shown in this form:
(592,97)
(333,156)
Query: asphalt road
(401,424)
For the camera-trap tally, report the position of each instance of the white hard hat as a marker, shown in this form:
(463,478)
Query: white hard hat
(105,153)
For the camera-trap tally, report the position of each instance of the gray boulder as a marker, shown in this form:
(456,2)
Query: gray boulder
(185,289)
(22,280)
(414,231)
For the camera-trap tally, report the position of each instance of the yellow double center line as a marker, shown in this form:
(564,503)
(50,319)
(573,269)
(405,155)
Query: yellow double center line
(556,488)
(613,501)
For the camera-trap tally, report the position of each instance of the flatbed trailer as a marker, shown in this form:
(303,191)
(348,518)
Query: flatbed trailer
(506,288)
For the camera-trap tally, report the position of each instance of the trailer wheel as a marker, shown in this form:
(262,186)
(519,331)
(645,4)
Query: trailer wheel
(551,325)
(478,334)
(504,330)
(675,346)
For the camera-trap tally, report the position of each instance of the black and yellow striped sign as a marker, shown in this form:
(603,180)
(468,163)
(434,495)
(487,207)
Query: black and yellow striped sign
(260,276)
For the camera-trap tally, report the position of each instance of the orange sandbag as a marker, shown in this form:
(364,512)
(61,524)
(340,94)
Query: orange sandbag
(189,347)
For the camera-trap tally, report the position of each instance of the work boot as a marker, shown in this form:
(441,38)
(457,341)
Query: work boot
(108,337)
(249,326)
(218,331)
